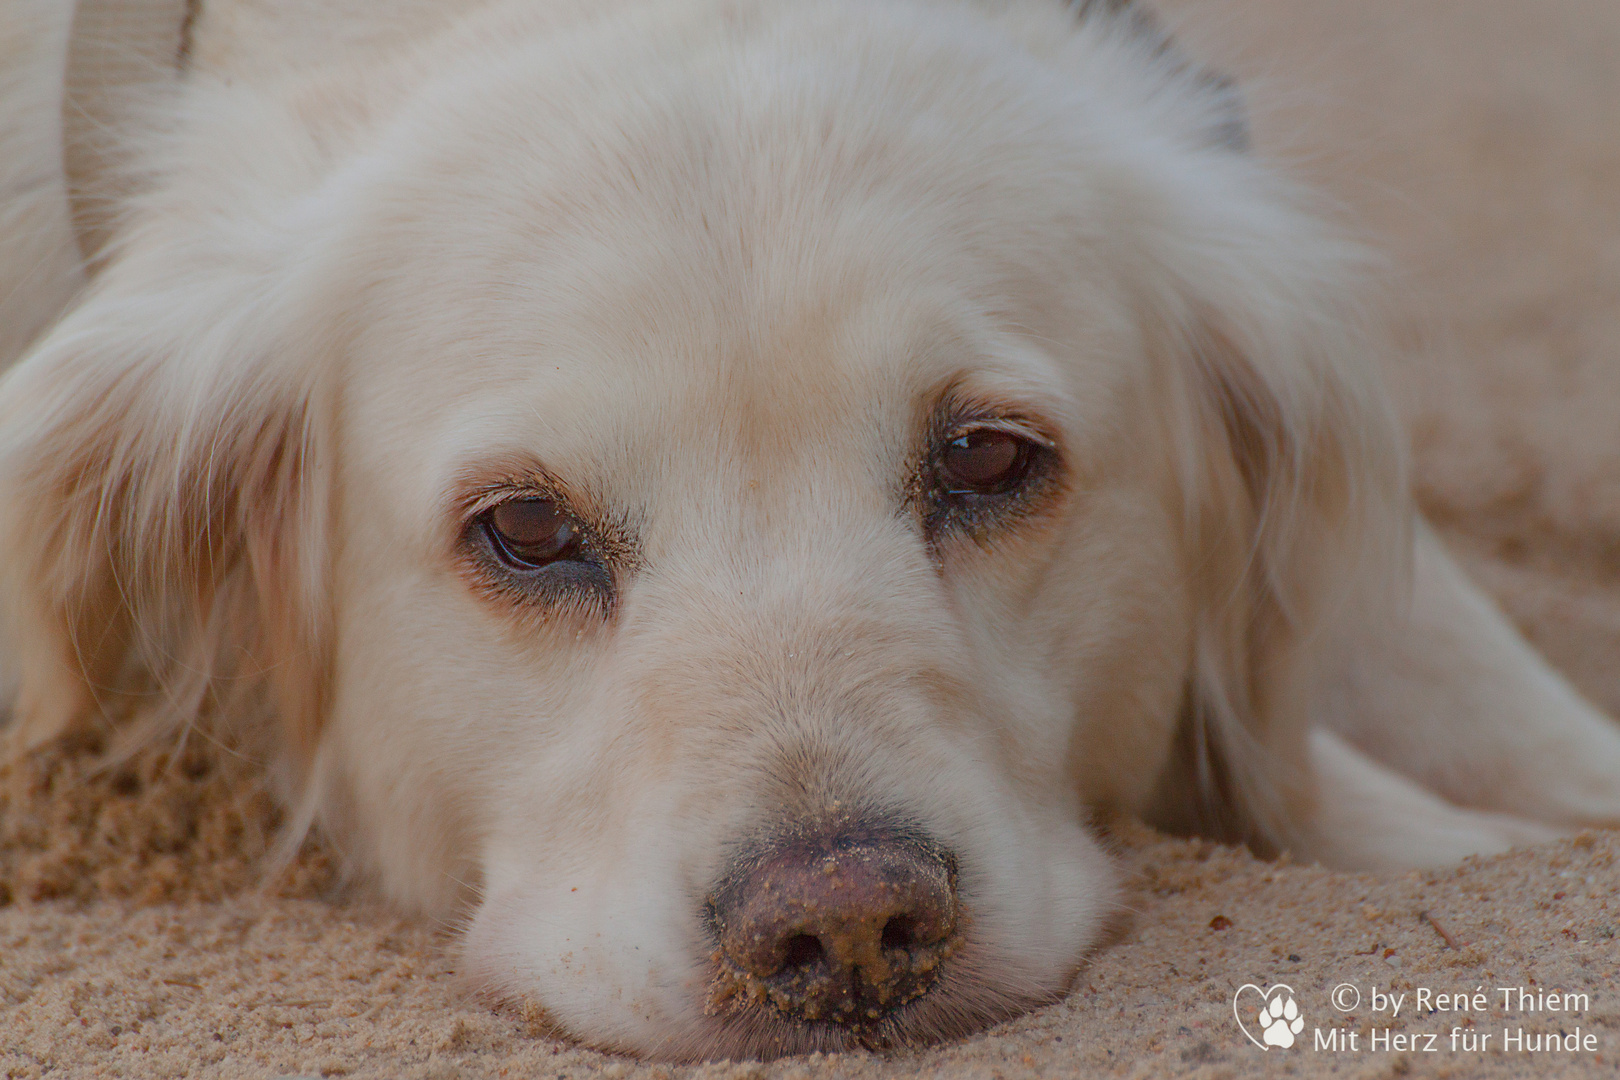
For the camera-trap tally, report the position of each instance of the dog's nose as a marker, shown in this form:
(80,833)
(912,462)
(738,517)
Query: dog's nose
(842,930)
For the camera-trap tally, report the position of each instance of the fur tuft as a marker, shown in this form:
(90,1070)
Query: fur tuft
(164,513)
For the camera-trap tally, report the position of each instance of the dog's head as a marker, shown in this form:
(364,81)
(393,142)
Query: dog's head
(715,492)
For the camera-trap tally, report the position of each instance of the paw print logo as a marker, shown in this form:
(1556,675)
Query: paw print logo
(1276,1014)
(1280,1021)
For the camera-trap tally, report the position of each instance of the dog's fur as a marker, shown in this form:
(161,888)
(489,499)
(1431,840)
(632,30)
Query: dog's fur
(718,273)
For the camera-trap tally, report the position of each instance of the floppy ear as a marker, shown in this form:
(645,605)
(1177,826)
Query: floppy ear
(1297,517)
(162,518)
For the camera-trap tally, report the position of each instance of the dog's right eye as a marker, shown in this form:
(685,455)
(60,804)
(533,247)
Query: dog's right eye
(531,533)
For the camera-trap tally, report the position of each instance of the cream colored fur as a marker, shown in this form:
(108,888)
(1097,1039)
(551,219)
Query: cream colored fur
(714,266)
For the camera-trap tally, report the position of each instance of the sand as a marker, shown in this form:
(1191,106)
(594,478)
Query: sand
(1477,141)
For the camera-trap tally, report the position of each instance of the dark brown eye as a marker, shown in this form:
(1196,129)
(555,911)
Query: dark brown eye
(530,533)
(984,462)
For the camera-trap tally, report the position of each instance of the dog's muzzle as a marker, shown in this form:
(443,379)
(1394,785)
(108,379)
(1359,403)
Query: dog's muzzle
(841,929)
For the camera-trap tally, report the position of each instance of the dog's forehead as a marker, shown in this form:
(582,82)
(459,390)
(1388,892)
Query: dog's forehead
(710,279)
(645,382)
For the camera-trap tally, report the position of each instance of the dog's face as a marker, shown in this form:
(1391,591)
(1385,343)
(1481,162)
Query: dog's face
(712,506)
(757,508)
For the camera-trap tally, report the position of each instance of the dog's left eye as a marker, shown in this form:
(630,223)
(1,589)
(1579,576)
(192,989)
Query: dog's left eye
(531,533)
(985,462)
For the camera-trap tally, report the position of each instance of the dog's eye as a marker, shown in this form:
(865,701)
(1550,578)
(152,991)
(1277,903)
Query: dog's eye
(531,533)
(984,462)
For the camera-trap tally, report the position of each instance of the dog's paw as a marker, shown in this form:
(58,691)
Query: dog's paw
(1280,1021)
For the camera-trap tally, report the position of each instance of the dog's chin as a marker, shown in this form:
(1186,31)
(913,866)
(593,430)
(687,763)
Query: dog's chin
(662,1002)
(974,990)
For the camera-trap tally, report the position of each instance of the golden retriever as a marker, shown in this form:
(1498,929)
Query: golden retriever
(718,493)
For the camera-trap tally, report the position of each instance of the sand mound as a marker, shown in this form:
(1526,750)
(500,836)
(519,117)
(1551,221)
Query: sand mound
(192,823)
(1476,138)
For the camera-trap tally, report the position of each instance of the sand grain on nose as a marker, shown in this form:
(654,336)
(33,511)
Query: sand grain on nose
(845,930)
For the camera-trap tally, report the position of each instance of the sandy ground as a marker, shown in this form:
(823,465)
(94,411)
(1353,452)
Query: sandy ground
(1477,141)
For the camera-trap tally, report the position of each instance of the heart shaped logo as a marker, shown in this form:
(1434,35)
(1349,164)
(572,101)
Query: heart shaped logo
(1275,1014)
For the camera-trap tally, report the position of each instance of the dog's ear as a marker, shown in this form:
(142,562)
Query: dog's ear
(1220,115)
(162,516)
(1293,480)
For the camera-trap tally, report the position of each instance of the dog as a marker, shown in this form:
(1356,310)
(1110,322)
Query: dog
(722,496)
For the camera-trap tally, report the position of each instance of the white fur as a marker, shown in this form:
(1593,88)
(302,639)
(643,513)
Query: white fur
(712,264)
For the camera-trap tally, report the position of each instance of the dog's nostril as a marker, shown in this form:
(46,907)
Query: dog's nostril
(801,950)
(898,932)
(844,929)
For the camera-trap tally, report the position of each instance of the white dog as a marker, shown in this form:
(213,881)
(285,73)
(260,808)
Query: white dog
(717,491)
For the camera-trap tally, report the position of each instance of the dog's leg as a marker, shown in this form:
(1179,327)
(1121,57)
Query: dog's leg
(1452,697)
(1369,817)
